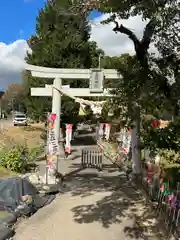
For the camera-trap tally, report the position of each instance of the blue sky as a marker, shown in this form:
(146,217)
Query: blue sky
(18,19)
(18,22)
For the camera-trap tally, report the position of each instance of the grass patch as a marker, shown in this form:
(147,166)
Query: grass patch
(38,127)
(30,135)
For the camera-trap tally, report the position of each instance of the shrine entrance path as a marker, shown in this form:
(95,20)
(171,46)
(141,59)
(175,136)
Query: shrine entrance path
(93,205)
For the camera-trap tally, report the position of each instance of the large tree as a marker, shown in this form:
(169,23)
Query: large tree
(162,29)
(152,103)
(62,40)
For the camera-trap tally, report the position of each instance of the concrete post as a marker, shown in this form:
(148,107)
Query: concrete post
(135,134)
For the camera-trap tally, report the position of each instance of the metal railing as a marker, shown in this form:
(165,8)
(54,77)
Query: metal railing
(167,204)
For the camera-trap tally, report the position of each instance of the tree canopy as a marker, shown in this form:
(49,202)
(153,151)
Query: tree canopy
(12,98)
(162,30)
(162,16)
(61,41)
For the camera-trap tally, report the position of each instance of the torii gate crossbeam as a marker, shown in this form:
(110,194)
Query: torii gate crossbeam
(61,73)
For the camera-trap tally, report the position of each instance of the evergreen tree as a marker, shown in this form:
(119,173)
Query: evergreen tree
(61,41)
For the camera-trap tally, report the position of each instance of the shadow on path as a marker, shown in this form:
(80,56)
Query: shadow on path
(121,204)
(83,140)
(106,167)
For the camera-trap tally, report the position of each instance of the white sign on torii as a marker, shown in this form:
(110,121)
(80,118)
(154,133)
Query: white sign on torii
(66,73)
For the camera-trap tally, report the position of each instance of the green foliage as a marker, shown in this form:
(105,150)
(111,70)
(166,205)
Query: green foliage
(131,88)
(170,163)
(34,153)
(165,13)
(169,158)
(61,41)
(15,159)
(166,143)
(166,138)
(12,99)
(18,157)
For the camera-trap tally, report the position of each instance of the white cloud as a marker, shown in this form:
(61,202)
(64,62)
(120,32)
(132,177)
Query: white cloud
(12,55)
(12,62)
(115,44)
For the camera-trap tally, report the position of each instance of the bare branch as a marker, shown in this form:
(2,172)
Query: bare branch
(126,31)
(142,46)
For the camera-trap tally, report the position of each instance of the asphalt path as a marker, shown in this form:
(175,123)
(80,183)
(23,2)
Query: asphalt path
(93,205)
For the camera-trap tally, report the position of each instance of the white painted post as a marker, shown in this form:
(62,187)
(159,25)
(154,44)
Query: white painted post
(136,154)
(56,105)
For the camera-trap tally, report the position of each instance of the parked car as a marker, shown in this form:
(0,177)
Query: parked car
(20,119)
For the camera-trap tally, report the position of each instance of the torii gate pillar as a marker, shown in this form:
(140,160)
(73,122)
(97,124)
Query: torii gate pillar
(56,105)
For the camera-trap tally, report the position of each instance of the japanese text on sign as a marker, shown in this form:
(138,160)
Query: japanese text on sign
(96,81)
(52,142)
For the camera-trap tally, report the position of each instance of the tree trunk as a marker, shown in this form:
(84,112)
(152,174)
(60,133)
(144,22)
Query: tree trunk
(176,110)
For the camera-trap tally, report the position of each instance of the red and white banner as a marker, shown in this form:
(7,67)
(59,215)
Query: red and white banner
(52,150)
(51,120)
(52,143)
(68,138)
(125,139)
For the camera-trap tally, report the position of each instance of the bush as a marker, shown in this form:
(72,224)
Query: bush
(34,153)
(19,157)
(170,164)
(166,138)
(16,158)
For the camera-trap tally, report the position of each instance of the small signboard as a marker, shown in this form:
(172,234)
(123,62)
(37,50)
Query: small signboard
(52,143)
(96,81)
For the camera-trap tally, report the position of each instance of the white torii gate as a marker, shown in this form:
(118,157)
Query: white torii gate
(67,73)
(96,89)
(76,92)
